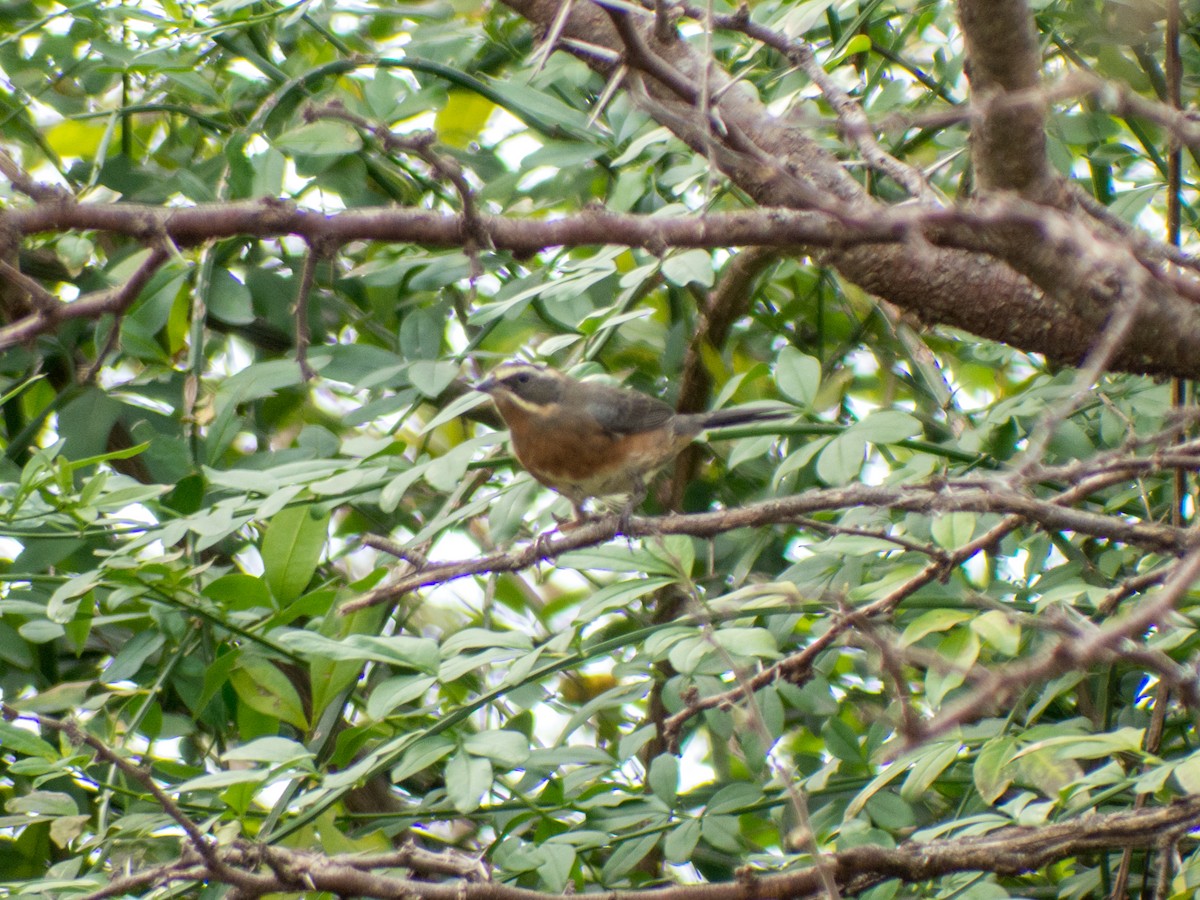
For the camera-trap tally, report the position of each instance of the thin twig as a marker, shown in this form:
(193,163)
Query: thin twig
(851,118)
(23,182)
(300,312)
(77,734)
(115,301)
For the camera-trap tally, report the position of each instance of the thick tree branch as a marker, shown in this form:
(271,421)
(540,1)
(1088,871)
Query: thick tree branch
(1009,142)
(1059,246)
(852,120)
(775,162)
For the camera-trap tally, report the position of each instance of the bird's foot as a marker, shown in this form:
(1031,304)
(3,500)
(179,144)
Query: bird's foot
(542,541)
(581,517)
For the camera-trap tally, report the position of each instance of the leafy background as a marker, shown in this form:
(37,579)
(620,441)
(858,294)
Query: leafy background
(182,511)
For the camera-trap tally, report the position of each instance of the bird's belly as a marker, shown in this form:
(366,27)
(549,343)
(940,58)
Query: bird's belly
(603,464)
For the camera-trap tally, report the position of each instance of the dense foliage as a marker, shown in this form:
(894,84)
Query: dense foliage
(273,591)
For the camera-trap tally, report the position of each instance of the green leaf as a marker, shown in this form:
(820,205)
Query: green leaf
(463,117)
(680,842)
(445,472)
(860,43)
(421,755)
(229,299)
(617,559)
(663,777)
(842,458)
(468,778)
(264,688)
(275,750)
(555,871)
(239,592)
(40,631)
(506,748)
(953,529)
(395,489)
(1187,773)
(222,779)
(991,772)
(626,854)
(60,609)
(398,650)
(960,647)
(933,622)
(798,376)
(887,426)
(842,742)
(431,377)
(43,803)
(323,138)
(749,642)
(618,595)
(1090,746)
(734,798)
(129,660)
(927,767)
(478,638)
(999,629)
(291,549)
(889,811)
(689,266)
(722,832)
(21,740)
(396,692)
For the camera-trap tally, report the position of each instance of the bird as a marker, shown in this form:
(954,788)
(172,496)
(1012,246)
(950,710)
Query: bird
(584,439)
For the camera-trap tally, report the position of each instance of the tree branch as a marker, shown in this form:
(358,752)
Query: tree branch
(982,496)
(46,316)
(1007,851)
(852,120)
(1078,651)
(1064,333)
(1009,141)
(775,162)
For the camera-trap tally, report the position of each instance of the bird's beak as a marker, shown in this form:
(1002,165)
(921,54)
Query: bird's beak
(487,385)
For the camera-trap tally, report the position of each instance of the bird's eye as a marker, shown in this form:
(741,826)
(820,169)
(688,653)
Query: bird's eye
(523,378)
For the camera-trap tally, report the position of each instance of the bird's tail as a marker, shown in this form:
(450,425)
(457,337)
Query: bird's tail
(723,418)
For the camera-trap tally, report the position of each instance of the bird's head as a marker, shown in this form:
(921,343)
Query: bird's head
(526,385)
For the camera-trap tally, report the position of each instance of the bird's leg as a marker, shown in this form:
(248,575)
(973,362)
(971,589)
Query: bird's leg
(541,543)
(580,516)
(637,496)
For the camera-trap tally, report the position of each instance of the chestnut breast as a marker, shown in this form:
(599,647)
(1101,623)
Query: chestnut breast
(582,451)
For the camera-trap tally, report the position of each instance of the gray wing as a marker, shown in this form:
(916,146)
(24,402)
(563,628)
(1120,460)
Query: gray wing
(626,412)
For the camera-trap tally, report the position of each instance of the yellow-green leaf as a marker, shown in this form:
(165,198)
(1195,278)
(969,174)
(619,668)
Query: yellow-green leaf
(75,139)
(463,117)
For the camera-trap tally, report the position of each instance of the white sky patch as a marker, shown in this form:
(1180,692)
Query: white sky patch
(694,769)
(512,150)
(249,561)
(143,402)
(977,569)
(10,548)
(536,176)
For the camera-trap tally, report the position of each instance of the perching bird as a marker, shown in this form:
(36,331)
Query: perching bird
(591,440)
